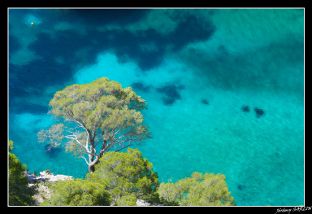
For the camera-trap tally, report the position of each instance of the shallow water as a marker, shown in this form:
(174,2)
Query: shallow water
(175,59)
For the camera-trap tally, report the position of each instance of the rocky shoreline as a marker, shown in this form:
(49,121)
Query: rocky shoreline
(47,176)
(41,184)
(43,191)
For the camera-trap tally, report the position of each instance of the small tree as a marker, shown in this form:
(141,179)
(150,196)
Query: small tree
(98,117)
(20,194)
(127,176)
(198,190)
(77,193)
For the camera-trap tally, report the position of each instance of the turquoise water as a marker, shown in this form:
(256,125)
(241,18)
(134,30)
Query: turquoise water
(196,69)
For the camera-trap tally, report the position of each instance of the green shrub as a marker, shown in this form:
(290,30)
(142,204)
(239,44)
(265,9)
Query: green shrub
(127,200)
(78,193)
(198,190)
(124,174)
(20,194)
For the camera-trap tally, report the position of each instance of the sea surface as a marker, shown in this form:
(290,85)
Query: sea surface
(224,87)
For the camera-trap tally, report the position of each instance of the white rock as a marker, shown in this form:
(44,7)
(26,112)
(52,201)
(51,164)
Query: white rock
(142,203)
(47,176)
(43,192)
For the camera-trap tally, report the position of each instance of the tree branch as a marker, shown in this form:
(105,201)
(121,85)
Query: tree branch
(85,160)
(74,137)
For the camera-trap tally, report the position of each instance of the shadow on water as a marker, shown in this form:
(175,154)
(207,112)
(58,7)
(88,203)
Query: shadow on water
(51,151)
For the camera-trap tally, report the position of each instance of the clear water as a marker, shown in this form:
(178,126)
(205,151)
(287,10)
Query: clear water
(212,62)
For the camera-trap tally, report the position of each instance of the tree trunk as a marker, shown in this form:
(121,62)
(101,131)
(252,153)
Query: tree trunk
(91,157)
(91,168)
(92,150)
(104,145)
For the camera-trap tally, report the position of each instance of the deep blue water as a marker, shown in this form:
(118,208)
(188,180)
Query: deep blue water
(225,89)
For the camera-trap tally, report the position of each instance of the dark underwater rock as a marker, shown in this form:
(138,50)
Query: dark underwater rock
(259,112)
(140,86)
(168,100)
(170,93)
(245,108)
(240,187)
(205,101)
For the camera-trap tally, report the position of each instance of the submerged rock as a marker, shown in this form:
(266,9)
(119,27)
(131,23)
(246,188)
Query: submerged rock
(240,186)
(259,112)
(245,108)
(205,101)
(170,93)
(140,86)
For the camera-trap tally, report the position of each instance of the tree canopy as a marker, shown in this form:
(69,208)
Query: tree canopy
(101,116)
(198,190)
(78,193)
(127,176)
(20,194)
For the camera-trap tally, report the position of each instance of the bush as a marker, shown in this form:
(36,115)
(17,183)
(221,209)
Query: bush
(198,190)
(78,193)
(127,200)
(20,194)
(124,174)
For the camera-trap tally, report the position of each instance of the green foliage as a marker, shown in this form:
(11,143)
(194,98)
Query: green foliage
(169,193)
(101,116)
(198,190)
(19,192)
(11,145)
(125,175)
(78,193)
(53,136)
(126,200)
(101,104)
